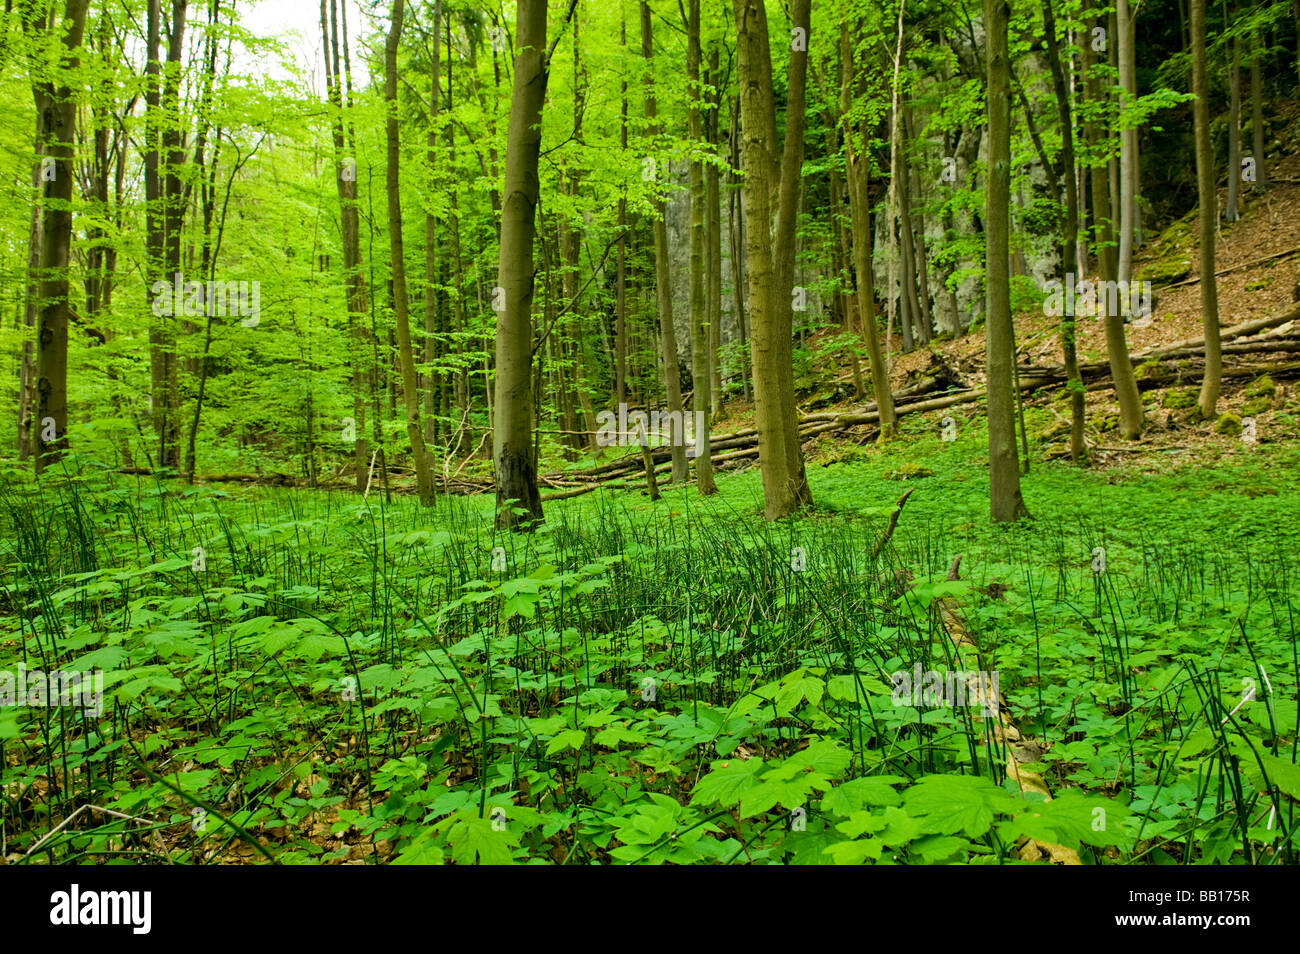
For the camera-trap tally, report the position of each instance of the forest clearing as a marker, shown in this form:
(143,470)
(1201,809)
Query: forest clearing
(449,432)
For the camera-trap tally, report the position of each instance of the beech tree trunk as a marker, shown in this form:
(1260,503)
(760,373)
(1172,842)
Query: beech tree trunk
(1232,211)
(770,257)
(1128,168)
(519,505)
(1005,501)
(58,130)
(32,295)
(663,283)
(432,346)
(713,239)
(1069,236)
(700,358)
(1131,417)
(406,355)
(620,282)
(856,171)
(1257,118)
(736,239)
(356,293)
(164,214)
(462,391)
(1209,208)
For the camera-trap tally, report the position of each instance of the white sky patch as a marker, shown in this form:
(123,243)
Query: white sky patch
(296,23)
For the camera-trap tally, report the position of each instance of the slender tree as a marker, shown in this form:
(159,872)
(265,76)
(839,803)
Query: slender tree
(58,118)
(620,282)
(164,216)
(857,163)
(406,355)
(1257,116)
(1005,501)
(1069,239)
(700,359)
(1128,142)
(663,280)
(519,506)
(1209,214)
(356,292)
(770,254)
(432,318)
(1232,209)
(1131,416)
(713,236)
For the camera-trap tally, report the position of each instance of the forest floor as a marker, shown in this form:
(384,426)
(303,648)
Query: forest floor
(304,676)
(339,681)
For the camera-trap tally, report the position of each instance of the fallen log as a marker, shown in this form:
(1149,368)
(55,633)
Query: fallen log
(1236,268)
(1161,377)
(1227,334)
(1261,346)
(1164,351)
(988,709)
(286,480)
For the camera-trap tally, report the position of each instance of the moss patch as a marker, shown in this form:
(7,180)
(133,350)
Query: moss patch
(1147,369)
(1229,424)
(1262,386)
(909,471)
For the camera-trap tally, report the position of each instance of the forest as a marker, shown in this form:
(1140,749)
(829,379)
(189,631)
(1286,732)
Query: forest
(649,432)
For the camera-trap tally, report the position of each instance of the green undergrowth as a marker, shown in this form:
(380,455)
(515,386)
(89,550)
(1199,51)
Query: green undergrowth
(305,677)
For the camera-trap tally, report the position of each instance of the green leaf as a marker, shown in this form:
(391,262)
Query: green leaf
(568,739)
(956,803)
(727,783)
(854,852)
(521,604)
(768,795)
(1282,773)
(856,793)
(1070,819)
(932,849)
(471,838)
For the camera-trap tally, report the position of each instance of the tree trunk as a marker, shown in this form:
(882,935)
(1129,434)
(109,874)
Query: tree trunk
(355,293)
(667,334)
(1069,236)
(736,235)
(1128,168)
(432,346)
(164,214)
(620,282)
(406,355)
(1131,418)
(32,294)
(463,440)
(1005,502)
(1209,208)
(518,503)
(58,131)
(1232,211)
(915,312)
(699,315)
(915,226)
(713,239)
(856,170)
(841,257)
(207,179)
(922,262)
(1257,118)
(771,269)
